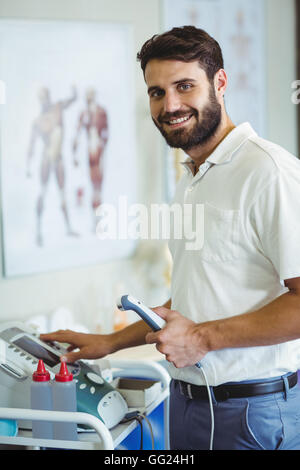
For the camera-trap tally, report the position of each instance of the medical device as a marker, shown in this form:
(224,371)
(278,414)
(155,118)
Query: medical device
(128,302)
(20,350)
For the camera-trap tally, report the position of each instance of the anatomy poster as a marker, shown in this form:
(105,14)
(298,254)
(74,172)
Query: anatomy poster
(238,26)
(67,141)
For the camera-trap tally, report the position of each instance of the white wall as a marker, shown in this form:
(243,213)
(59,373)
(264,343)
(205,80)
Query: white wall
(82,290)
(281,72)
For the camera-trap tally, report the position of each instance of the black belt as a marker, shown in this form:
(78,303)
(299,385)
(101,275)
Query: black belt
(239,390)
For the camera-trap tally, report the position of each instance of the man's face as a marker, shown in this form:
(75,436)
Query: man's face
(183,103)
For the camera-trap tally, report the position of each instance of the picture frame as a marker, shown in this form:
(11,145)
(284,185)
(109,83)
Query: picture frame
(67,141)
(238,26)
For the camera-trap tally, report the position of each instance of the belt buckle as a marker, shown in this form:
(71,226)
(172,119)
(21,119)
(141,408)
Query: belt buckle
(185,389)
(181,387)
(189,391)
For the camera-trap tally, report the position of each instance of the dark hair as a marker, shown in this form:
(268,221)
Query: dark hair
(187,44)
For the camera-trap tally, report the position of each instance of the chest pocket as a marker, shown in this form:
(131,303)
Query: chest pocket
(221,234)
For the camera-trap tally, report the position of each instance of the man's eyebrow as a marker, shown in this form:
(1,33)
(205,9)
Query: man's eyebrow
(181,80)
(152,88)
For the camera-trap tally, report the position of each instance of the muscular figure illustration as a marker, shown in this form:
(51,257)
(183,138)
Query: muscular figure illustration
(242,47)
(49,127)
(94,120)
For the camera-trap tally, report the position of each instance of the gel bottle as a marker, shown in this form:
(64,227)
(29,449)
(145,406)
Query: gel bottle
(41,399)
(64,399)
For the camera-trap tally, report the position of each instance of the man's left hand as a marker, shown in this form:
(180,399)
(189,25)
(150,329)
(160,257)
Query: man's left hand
(179,340)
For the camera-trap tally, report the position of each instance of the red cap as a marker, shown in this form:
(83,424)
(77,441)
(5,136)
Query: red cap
(64,375)
(41,374)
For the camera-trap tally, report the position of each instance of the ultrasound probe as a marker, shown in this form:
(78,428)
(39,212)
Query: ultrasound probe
(128,302)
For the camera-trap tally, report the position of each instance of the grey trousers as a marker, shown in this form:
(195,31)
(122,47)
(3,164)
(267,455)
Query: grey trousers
(267,422)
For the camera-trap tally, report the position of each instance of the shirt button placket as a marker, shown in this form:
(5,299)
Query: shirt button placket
(187,192)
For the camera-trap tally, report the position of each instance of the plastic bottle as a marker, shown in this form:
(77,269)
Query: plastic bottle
(64,399)
(41,399)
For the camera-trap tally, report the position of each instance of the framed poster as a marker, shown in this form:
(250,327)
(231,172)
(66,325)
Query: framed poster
(67,141)
(238,26)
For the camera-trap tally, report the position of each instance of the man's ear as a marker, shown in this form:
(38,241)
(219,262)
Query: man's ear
(220,82)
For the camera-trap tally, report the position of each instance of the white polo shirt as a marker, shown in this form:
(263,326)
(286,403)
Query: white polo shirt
(250,189)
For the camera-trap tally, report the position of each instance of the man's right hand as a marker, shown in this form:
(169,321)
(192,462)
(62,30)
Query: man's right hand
(91,346)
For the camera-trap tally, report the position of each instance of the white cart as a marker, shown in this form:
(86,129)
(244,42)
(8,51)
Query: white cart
(100,437)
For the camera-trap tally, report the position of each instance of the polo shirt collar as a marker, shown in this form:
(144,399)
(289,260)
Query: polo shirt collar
(225,150)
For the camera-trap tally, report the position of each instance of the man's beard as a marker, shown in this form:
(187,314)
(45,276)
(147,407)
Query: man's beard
(200,133)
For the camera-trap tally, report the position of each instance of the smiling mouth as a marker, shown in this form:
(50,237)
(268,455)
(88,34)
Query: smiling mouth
(178,121)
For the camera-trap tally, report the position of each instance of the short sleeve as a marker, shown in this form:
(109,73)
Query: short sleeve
(275,217)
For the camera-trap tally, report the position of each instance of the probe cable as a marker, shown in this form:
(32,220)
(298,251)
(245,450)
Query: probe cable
(137,416)
(198,364)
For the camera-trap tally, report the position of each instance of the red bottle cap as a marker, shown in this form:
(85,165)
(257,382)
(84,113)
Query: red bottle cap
(64,375)
(41,374)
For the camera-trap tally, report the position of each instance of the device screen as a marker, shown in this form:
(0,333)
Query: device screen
(37,351)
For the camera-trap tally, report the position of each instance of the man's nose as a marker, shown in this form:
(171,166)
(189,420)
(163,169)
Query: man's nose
(171,102)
